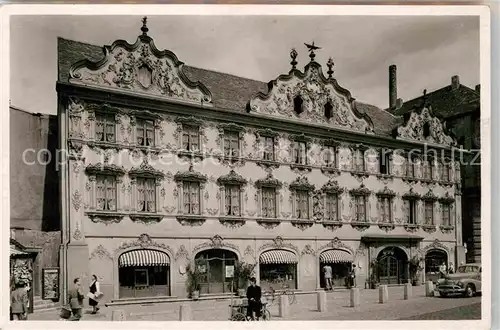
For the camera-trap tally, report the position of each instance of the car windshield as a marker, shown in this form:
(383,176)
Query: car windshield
(467,269)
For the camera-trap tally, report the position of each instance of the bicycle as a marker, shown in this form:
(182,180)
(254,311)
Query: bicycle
(271,294)
(239,313)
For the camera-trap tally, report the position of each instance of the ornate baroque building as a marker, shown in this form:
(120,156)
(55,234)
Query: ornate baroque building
(169,164)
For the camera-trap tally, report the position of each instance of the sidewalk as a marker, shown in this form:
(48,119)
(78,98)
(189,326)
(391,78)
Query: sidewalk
(305,308)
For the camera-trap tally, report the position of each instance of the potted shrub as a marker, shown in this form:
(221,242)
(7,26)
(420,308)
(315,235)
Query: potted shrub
(374,282)
(242,273)
(415,265)
(193,281)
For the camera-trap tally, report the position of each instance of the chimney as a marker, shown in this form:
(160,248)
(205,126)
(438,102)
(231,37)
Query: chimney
(455,82)
(393,86)
(478,89)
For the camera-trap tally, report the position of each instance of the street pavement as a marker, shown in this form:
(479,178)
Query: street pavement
(418,307)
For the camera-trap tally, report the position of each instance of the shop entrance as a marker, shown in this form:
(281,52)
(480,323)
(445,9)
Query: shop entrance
(392,266)
(433,259)
(340,262)
(212,265)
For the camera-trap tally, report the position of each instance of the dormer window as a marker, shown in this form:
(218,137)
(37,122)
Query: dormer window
(297,104)
(328,110)
(426,130)
(145,132)
(105,128)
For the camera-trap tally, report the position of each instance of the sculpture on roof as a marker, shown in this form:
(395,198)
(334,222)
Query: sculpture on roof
(142,69)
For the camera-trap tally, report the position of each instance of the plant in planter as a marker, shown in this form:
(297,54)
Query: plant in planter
(193,281)
(242,273)
(374,269)
(415,265)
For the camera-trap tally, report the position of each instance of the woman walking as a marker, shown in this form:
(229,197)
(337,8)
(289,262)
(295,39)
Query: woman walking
(95,291)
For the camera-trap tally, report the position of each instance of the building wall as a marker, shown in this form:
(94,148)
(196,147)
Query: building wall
(101,240)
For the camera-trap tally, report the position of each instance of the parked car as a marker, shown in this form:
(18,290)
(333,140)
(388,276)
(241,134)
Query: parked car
(466,281)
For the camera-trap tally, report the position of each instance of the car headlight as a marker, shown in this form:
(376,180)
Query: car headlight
(460,284)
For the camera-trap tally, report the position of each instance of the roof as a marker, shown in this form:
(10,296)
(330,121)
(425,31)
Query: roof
(228,91)
(446,101)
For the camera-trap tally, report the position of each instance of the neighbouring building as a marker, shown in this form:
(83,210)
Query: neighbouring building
(169,164)
(460,108)
(34,198)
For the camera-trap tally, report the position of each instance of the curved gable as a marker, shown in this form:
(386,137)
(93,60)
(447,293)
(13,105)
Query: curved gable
(316,91)
(141,68)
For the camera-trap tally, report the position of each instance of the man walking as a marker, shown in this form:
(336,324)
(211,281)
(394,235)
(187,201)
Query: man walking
(19,302)
(254,294)
(76,297)
(327,274)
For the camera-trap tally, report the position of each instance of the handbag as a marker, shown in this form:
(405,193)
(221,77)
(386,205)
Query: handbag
(65,312)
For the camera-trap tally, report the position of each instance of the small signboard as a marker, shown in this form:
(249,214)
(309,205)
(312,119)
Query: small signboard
(229,271)
(50,283)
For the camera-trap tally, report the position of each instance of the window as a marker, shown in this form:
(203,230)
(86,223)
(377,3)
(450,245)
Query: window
(328,110)
(268,202)
(105,127)
(301,204)
(446,172)
(268,148)
(360,204)
(385,163)
(429,213)
(427,170)
(146,195)
(232,196)
(332,207)
(190,138)
(231,144)
(412,212)
(106,192)
(446,209)
(191,190)
(385,209)
(145,132)
(330,158)
(299,152)
(411,169)
(297,104)
(359,160)
(426,130)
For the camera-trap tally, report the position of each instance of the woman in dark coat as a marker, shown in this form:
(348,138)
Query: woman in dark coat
(96,293)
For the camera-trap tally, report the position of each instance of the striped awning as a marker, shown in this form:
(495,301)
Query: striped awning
(335,256)
(143,258)
(278,257)
(15,252)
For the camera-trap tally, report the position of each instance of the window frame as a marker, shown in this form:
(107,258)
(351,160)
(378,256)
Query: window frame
(429,207)
(109,119)
(191,130)
(154,182)
(115,184)
(273,191)
(145,121)
(190,184)
(228,139)
(335,196)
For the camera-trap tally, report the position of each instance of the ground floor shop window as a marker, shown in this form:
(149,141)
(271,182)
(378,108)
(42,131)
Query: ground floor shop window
(434,259)
(144,273)
(392,266)
(337,262)
(278,269)
(215,265)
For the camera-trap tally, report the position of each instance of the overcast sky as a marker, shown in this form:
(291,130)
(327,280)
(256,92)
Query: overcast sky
(427,50)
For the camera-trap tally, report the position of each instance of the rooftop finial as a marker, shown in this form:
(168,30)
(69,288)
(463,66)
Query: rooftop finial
(424,98)
(144,27)
(293,55)
(312,48)
(330,65)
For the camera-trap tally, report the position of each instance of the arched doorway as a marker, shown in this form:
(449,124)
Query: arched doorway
(433,259)
(392,266)
(144,273)
(213,265)
(340,262)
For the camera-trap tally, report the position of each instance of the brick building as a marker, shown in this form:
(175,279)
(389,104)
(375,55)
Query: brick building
(459,107)
(171,163)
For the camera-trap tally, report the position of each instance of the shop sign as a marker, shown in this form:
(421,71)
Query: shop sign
(229,271)
(50,283)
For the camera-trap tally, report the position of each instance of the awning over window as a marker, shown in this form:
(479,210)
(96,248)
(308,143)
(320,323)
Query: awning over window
(335,256)
(143,258)
(15,252)
(278,257)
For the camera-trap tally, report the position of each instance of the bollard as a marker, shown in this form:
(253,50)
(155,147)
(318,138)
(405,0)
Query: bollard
(354,297)
(322,301)
(383,294)
(429,289)
(118,315)
(408,291)
(283,306)
(185,312)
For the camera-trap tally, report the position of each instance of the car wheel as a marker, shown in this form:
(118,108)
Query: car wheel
(470,291)
(443,295)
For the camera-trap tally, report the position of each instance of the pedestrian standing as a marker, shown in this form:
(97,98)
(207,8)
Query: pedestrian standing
(95,294)
(327,274)
(442,270)
(75,297)
(19,302)
(353,276)
(254,294)
(451,270)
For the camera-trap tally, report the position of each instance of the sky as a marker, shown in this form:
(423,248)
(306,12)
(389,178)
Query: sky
(428,50)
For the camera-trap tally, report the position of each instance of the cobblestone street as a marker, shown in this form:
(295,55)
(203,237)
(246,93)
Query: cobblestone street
(305,308)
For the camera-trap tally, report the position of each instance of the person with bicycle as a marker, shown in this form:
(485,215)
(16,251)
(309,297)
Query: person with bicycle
(254,294)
